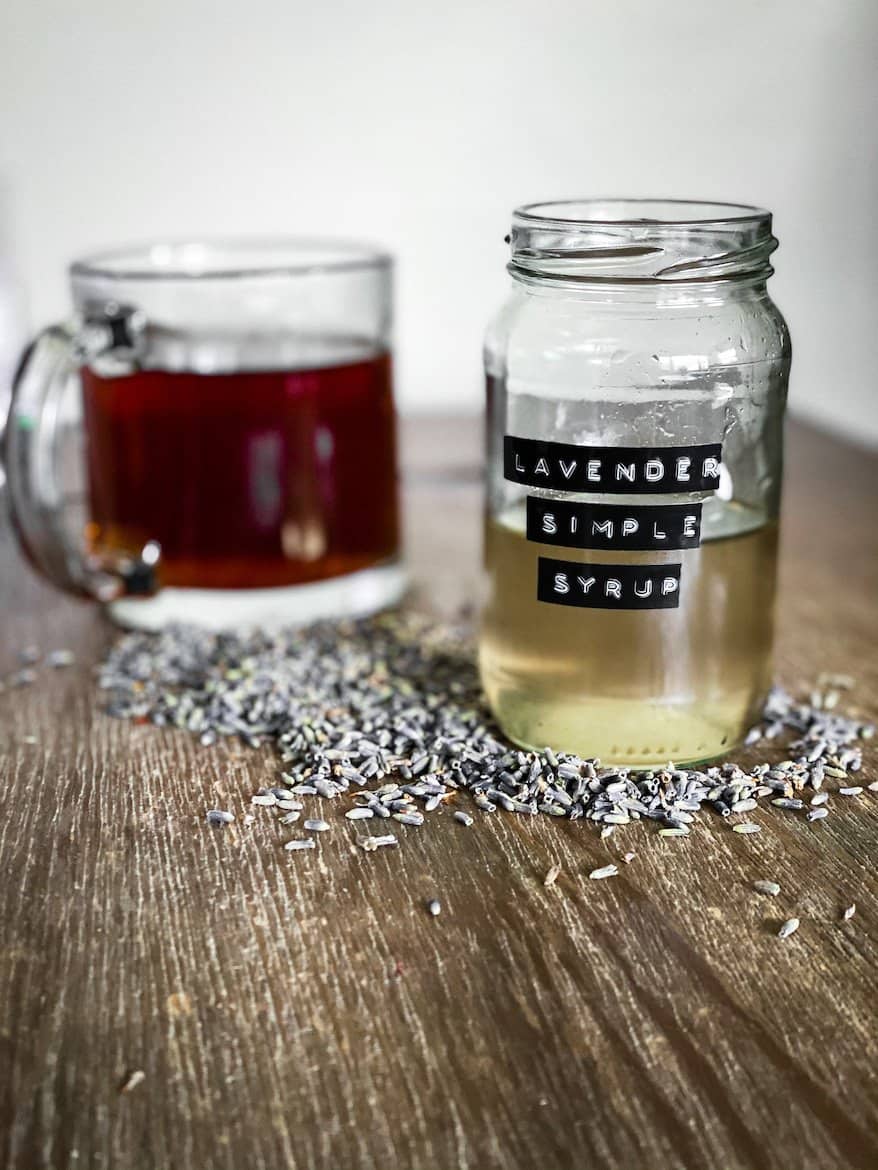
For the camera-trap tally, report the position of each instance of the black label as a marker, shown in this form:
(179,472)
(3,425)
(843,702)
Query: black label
(636,526)
(613,470)
(592,586)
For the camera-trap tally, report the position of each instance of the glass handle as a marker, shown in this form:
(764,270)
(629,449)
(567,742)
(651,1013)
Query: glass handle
(44,458)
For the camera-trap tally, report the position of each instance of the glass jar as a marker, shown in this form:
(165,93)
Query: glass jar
(212,437)
(637,381)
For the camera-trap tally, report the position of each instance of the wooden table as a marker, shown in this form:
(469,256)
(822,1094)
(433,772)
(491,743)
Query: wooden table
(304,1010)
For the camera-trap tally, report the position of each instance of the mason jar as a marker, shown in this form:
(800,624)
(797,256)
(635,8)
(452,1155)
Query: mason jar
(637,381)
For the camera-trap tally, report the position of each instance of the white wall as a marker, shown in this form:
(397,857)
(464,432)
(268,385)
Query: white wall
(421,125)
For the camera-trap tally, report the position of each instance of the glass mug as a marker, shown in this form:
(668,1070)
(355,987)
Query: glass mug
(213,438)
(637,381)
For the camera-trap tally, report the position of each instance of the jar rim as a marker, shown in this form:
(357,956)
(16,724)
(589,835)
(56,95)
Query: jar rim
(620,212)
(230,258)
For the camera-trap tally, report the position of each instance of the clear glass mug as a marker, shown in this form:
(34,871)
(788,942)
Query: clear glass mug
(637,381)
(212,438)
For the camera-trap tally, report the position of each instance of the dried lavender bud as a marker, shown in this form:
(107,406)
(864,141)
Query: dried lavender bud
(370,844)
(58,659)
(219,818)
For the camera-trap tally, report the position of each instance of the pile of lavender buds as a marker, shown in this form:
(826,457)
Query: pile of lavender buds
(389,712)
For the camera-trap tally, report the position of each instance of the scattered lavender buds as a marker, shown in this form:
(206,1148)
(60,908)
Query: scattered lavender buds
(302,843)
(849,912)
(434,907)
(552,875)
(767,887)
(388,713)
(606,871)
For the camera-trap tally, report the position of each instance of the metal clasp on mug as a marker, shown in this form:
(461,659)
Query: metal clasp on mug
(110,338)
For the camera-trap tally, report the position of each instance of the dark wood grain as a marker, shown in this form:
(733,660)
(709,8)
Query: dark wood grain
(304,1011)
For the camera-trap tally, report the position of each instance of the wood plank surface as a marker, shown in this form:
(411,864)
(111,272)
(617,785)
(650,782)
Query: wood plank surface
(304,1011)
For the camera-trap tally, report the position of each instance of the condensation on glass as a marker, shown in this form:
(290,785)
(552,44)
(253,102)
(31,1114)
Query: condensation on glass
(637,380)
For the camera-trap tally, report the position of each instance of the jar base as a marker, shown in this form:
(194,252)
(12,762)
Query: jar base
(627,733)
(350,596)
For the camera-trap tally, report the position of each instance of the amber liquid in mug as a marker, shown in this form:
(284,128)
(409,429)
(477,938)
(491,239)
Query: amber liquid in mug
(246,479)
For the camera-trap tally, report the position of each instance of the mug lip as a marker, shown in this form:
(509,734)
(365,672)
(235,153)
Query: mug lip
(207,258)
(538,214)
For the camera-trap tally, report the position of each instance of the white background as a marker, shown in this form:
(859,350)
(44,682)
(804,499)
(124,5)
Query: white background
(421,125)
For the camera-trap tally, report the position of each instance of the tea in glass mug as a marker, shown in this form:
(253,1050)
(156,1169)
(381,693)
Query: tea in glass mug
(213,437)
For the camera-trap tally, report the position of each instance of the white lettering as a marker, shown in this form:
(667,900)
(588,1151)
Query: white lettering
(542,467)
(689,525)
(625,471)
(710,470)
(574,524)
(549,525)
(593,470)
(567,469)
(613,588)
(605,527)
(683,468)
(561,585)
(657,533)
(654,470)
(586,583)
(644,589)
(669,585)
(629,526)
(518,466)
